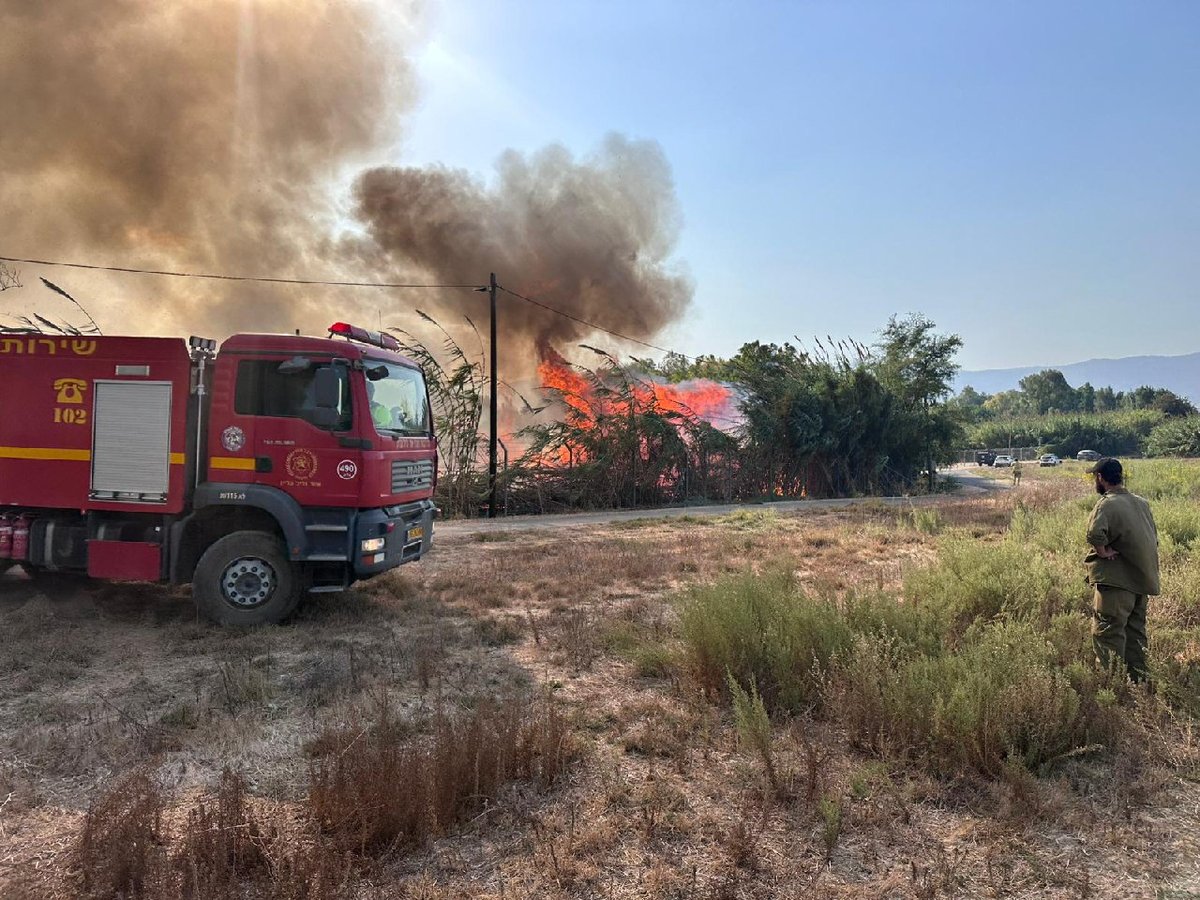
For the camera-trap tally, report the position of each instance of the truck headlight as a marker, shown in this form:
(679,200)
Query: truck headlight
(372,545)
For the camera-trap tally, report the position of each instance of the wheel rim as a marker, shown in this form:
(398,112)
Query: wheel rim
(248,582)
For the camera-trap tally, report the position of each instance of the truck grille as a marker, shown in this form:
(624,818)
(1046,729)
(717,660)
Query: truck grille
(411,475)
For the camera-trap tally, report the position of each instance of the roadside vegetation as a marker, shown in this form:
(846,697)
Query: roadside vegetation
(879,701)
(1047,413)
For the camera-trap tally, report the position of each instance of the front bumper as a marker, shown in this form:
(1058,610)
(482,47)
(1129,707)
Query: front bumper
(406,532)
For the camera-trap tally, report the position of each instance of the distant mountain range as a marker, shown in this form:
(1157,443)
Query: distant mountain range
(1180,374)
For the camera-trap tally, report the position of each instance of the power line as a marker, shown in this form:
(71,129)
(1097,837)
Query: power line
(354,284)
(219,277)
(592,325)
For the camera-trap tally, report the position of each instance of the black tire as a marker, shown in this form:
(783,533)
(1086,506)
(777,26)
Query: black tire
(246,578)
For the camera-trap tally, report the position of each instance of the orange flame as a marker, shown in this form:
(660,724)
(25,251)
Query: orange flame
(701,399)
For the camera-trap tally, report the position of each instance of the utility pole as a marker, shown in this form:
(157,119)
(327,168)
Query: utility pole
(493,435)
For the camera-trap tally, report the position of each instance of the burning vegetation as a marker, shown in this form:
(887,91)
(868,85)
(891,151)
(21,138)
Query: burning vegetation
(772,421)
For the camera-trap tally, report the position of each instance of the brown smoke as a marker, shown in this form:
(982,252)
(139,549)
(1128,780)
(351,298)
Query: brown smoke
(591,237)
(212,135)
(192,134)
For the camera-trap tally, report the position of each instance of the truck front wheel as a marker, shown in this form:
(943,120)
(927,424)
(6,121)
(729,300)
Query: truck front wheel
(245,578)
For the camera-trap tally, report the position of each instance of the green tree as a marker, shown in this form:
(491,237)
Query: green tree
(1006,404)
(1086,395)
(971,403)
(1048,391)
(1171,404)
(917,365)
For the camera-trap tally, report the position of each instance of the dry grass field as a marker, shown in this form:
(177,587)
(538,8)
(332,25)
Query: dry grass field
(547,713)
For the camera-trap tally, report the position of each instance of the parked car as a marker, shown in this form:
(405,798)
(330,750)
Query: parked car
(1087,455)
(1003,460)
(984,457)
(1048,459)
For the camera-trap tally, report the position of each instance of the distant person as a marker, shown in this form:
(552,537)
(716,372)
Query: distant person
(1122,567)
(1016,472)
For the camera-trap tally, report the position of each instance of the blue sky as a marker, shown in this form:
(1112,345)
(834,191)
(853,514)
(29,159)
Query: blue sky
(1027,174)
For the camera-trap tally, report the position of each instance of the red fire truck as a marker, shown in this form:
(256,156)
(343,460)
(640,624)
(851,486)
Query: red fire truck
(279,465)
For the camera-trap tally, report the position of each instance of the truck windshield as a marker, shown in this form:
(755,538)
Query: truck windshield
(398,402)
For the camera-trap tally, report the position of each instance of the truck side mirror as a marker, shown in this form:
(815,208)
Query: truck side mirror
(326,394)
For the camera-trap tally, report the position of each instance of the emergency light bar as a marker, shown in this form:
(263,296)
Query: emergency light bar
(363,336)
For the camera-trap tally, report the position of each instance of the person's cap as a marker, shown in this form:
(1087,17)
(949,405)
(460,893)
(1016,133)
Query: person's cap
(1107,468)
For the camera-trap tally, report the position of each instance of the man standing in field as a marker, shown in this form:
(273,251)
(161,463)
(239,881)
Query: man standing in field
(1122,566)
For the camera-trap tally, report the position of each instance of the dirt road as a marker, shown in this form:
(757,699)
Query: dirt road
(968,483)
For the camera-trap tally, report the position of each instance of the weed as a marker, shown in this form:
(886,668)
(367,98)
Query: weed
(576,635)
(754,727)
(495,537)
(765,633)
(243,683)
(925,519)
(1001,696)
(974,581)
(120,850)
(653,661)
(222,844)
(498,631)
(830,809)
(372,791)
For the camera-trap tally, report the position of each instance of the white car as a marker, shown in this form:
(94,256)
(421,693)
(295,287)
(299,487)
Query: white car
(1003,460)
(1048,459)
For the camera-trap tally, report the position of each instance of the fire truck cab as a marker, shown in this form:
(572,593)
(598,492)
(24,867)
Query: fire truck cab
(277,466)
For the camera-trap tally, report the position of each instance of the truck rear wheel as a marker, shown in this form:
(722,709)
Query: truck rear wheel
(245,578)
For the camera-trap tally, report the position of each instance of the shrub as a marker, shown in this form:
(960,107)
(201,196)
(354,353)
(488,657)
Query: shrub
(1174,661)
(373,790)
(764,633)
(222,844)
(1175,437)
(974,581)
(754,727)
(1002,697)
(120,850)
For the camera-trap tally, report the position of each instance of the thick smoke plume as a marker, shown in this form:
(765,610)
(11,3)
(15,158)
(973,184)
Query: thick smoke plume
(192,134)
(592,238)
(220,135)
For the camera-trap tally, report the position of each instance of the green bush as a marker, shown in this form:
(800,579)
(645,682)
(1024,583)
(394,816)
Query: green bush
(1113,434)
(973,581)
(1175,437)
(1174,659)
(1002,698)
(766,634)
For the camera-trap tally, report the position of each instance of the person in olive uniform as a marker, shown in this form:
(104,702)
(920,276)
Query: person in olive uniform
(1122,567)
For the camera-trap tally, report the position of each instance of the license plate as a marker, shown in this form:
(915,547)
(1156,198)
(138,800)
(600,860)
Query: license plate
(415,533)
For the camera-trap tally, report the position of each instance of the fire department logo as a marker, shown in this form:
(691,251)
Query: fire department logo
(233,439)
(301,464)
(347,469)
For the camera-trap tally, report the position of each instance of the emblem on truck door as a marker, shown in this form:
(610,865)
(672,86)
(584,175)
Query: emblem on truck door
(301,464)
(233,439)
